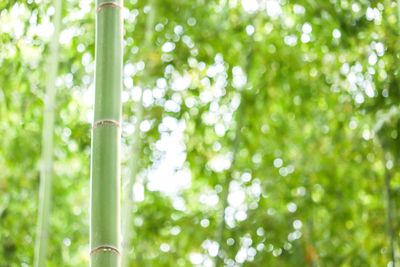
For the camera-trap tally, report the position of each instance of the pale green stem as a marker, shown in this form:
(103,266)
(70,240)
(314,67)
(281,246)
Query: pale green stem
(398,13)
(127,192)
(219,261)
(225,187)
(390,217)
(106,137)
(47,143)
(134,162)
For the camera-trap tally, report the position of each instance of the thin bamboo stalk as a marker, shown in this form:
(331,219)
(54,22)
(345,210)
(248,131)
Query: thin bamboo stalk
(390,216)
(398,13)
(220,237)
(134,162)
(225,187)
(106,137)
(46,169)
(127,190)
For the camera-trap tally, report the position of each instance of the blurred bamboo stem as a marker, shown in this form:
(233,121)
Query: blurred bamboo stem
(46,168)
(398,13)
(236,145)
(105,220)
(127,190)
(136,147)
(225,187)
(390,216)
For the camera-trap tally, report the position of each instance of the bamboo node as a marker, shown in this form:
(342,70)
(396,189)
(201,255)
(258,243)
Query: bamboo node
(105,248)
(108,5)
(105,122)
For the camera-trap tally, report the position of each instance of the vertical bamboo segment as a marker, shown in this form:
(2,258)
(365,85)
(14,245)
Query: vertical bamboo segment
(240,113)
(390,216)
(106,137)
(398,13)
(127,204)
(47,143)
(219,261)
(134,162)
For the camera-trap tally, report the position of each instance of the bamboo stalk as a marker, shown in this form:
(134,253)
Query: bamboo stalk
(127,190)
(398,13)
(225,187)
(389,215)
(134,162)
(46,169)
(106,137)
(236,145)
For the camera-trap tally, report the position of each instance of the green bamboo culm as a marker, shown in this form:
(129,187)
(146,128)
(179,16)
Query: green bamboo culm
(46,168)
(106,137)
(135,154)
(398,13)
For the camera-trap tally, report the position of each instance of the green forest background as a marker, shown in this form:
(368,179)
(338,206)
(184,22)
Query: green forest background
(257,132)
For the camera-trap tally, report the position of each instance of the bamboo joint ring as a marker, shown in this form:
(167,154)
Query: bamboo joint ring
(106,122)
(107,5)
(105,248)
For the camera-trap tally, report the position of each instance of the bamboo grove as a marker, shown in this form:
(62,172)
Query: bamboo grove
(199,133)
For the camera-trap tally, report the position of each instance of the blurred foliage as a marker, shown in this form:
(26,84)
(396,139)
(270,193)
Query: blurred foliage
(293,105)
